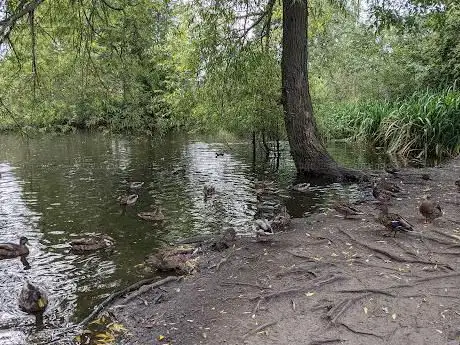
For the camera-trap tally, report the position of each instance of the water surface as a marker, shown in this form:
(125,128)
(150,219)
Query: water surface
(55,188)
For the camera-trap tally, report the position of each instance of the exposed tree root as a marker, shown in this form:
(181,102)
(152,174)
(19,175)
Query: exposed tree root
(326,341)
(335,312)
(279,293)
(360,332)
(370,290)
(245,284)
(102,306)
(308,268)
(454,237)
(224,259)
(309,258)
(260,328)
(392,256)
(364,263)
(427,237)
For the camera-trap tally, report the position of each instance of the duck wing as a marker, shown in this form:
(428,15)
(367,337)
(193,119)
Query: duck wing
(400,222)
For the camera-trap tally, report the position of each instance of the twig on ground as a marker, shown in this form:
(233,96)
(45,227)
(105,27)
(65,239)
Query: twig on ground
(225,259)
(279,293)
(307,268)
(326,341)
(260,328)
(256,308)
(370,290)
(360,332)
(124,291)
(298,255)
(229,283)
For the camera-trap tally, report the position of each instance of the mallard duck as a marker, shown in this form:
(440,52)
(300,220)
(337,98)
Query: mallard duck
(430,209)
(181,259)
(380,194)
(155,215)
(262,228)
(426,177)
(13,250)
(388,186)
(136,185)
(128,200)
(457,183)
(346,209)
(209,191)
(178,170)
(392,169)
(301,187)
(393,221)
(281,220)
(91,243)
(33,301)
(219,154)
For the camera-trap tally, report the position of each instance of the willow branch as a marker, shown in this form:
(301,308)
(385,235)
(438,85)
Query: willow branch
(21,10)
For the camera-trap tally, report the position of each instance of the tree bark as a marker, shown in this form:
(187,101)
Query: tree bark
(308,152)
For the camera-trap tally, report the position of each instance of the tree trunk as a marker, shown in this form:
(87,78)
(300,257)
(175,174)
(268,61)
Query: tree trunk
(310,155)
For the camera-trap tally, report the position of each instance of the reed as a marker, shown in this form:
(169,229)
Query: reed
(426,123)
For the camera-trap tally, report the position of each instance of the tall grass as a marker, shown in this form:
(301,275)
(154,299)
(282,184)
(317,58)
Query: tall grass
(426,123)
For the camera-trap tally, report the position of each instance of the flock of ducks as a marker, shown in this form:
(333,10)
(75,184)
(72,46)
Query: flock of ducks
(32,299)
(383,191)
(269,217)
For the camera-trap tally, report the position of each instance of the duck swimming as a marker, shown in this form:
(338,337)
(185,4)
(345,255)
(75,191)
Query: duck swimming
(128,200)
(33,301)
(13,250)
(155,215)
(91,243)
(136,185)
(209,191)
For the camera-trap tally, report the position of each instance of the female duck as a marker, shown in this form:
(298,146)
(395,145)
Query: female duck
(430,209)
(13,250)
(33,301)
(346,209)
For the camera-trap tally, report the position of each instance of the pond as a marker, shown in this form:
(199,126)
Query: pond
(56,188)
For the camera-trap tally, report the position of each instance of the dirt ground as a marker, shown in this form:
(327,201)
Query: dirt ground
(326,280)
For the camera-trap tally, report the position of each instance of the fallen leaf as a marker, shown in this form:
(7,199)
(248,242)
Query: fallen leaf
(309,294)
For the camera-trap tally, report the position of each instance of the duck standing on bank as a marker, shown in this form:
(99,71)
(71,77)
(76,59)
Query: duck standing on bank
(33,301)
(393,221)
(430,209)
(382,195)
(346,210)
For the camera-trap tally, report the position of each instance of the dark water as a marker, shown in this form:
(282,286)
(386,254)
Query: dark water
(55,188)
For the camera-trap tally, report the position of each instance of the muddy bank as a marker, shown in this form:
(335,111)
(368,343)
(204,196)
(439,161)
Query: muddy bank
(327,280)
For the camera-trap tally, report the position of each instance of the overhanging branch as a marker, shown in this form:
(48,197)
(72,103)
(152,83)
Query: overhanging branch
(24,7)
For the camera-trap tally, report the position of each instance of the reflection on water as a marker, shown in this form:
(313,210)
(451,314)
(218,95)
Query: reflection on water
(53,189)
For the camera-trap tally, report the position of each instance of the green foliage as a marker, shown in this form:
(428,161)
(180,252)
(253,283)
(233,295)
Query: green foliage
(160,65)
(96,67)
(425,123)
